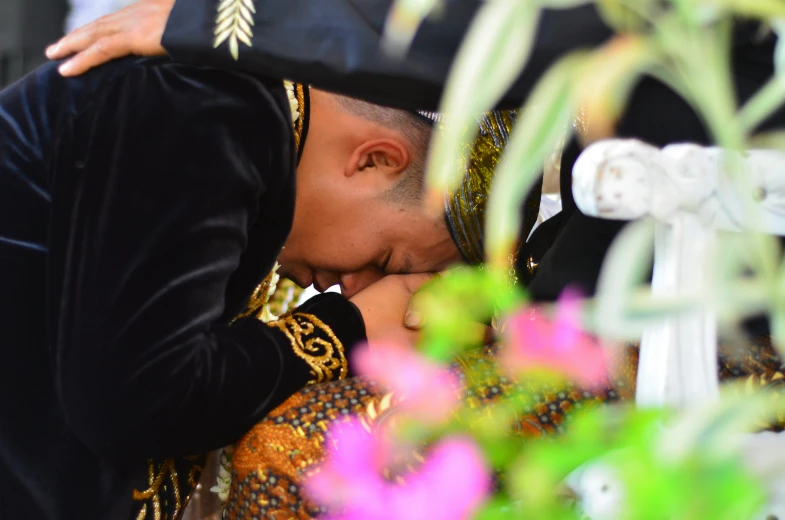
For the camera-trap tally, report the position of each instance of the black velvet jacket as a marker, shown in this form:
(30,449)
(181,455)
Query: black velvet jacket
(334,44)
(140,205)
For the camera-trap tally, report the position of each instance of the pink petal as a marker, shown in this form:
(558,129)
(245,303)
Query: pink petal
(534,341)
(450,485)
(426,389)
(350,471)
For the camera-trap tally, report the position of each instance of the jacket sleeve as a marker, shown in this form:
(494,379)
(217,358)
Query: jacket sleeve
(335,45)
(158,188)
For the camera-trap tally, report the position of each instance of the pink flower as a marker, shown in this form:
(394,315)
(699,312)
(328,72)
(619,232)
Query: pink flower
(450,484)
(426,390)
(535,341)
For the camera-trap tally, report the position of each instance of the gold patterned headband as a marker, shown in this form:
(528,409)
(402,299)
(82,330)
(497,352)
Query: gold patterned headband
(299,103)
(465,205)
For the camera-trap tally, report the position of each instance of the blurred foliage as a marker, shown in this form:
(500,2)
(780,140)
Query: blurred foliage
(670,465)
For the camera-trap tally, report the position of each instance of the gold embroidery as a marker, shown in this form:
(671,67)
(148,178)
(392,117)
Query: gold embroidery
(376,411)
(299,125)
(300,329)
(233,23)
(156,475)
(259,298)
(465,204)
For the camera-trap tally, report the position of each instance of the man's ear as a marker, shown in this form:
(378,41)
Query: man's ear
(379,161)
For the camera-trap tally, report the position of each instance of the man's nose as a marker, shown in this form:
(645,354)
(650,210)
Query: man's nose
(352,283)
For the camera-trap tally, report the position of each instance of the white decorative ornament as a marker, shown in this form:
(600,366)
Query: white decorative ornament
(688,192)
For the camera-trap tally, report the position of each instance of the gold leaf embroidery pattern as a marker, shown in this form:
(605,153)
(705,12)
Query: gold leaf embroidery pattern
(234,23)
(156,475)
(166,497)
(325,357)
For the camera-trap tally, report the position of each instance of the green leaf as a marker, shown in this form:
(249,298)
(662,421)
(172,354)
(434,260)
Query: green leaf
(763,104)
(402,23)
(455,303)
(777,317)
(763,9)
(498,508)
(779,50)
(625,267)
(772,140)
(713,431)
(622,15)
(492,55)
(564,4)
(608,81)
(540,126)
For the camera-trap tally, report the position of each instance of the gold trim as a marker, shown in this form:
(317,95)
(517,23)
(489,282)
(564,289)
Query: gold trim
(155,479)
(299,125)
(324,357)
(259,298)
(234,22)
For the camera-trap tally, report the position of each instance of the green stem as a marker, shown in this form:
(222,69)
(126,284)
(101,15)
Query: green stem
(762,105)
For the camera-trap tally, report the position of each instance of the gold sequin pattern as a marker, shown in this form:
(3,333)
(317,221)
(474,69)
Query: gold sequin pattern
(270,461)
(168,493)
(465,206)
(299,125)
(259,298)
(316,344)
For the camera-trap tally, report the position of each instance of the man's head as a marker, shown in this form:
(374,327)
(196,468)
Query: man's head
(358,212)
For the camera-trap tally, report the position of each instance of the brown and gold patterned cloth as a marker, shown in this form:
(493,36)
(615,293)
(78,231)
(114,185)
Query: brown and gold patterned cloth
(271,459)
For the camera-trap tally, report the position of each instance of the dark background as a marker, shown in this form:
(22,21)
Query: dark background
(26,28)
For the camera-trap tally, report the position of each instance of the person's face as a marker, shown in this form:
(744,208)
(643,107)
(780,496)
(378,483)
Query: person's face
(345,231)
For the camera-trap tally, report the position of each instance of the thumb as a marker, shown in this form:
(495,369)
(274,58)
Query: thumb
(413,319)
(413,282)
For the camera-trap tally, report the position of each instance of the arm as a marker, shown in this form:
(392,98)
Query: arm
(151,238)
(335,45)
(331,44)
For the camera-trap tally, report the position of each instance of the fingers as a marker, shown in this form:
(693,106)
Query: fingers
(413,282)
(82,38)
(412,319)
(98,53)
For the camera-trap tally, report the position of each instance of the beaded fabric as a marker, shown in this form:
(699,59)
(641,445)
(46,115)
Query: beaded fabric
(272,458)
(465,203)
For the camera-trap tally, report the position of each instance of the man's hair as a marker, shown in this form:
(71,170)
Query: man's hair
(415,129)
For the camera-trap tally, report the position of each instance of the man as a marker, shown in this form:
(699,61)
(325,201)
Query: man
(140,205)
(334,44)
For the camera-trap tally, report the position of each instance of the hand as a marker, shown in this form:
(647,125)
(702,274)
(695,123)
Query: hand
(383,305)
(414,318)
(137,29)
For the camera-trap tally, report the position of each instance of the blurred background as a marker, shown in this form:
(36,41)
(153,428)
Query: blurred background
(28,26)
